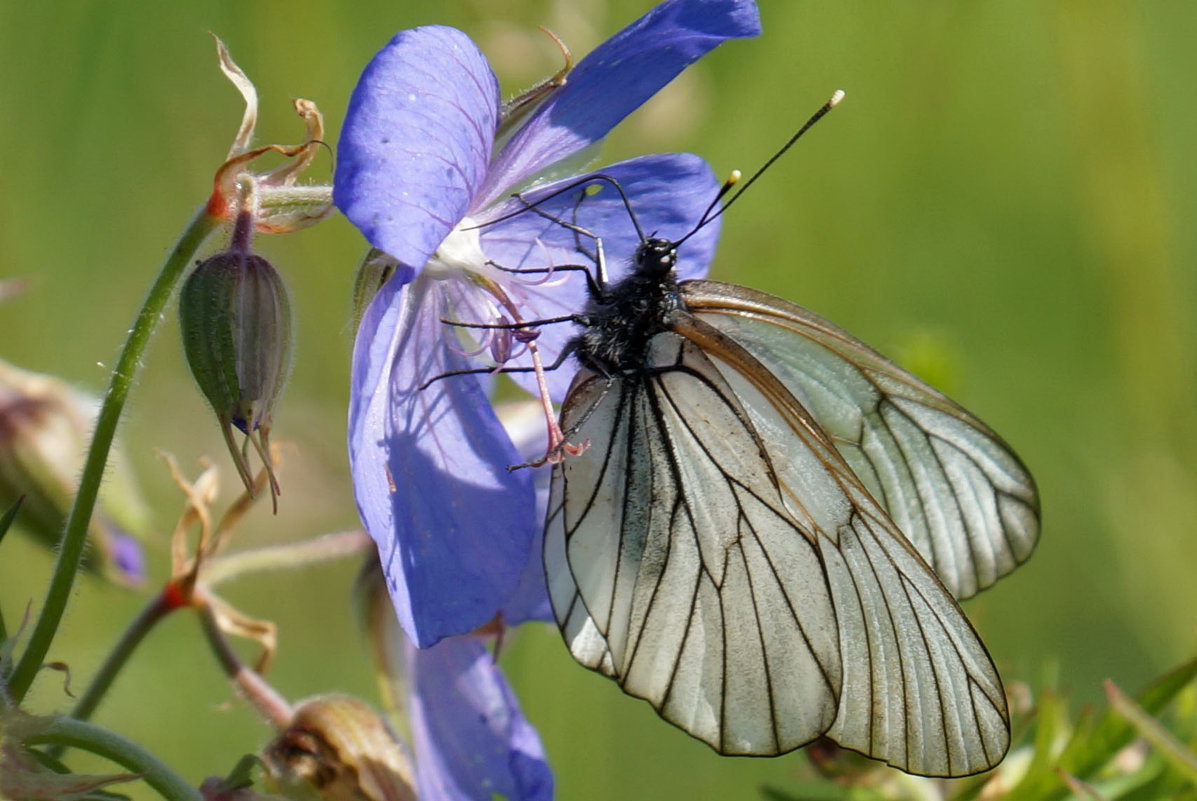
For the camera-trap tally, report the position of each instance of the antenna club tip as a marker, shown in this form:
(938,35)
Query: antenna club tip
(836,98)
(734,177)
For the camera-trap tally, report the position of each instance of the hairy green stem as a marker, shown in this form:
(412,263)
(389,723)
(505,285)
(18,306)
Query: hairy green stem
(279,557)
(158,608)
(70,551)
(265,699)
(127,754)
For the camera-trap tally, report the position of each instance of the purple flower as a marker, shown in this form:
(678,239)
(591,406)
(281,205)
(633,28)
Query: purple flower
(472,742)
(420,173)
(125,551)
(469,739)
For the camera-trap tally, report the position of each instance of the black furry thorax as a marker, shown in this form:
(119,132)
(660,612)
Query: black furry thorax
(621,319)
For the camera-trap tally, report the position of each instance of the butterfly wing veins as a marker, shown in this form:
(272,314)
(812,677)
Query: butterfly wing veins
(790,619)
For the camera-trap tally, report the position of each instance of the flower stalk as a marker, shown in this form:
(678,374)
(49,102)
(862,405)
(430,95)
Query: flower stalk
(291,208)
(129,755)
(159,607)
(264,698)
(188,589)
(70,552)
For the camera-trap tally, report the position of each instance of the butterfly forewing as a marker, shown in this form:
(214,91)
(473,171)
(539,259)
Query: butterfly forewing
(676,566)
(957,491)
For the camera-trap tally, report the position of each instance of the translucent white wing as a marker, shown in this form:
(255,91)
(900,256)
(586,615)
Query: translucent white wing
(713,554)
(675,569)
(958,492)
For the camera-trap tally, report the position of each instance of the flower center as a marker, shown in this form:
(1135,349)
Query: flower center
(458,255)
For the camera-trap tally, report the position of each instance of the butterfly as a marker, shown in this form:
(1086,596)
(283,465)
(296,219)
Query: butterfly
(770,528)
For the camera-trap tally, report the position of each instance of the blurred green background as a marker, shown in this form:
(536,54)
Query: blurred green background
(1000,203)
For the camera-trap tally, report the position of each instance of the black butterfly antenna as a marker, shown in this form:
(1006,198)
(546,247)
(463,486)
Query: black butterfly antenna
(587,181)
(717,207)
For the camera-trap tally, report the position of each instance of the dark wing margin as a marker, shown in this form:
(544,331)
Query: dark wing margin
(956,490)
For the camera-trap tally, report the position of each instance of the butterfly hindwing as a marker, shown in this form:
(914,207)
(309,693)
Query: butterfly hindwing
(957,491)
(919,691)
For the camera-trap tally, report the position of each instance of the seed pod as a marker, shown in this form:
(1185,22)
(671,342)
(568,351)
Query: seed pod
(236,321)
(337,748)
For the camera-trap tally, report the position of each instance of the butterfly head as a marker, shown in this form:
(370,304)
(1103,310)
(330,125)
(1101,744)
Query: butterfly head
(656,257)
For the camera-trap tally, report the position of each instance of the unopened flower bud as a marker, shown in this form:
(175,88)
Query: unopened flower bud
(337,748)
(236,320)
(44,428)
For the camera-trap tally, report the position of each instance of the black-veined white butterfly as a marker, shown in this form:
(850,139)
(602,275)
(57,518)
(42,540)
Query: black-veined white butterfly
(768,532)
